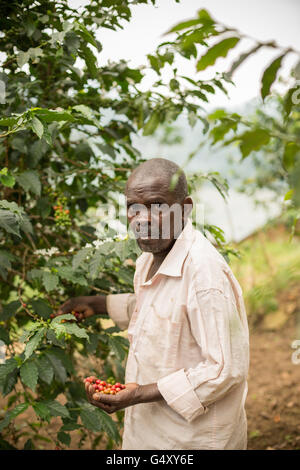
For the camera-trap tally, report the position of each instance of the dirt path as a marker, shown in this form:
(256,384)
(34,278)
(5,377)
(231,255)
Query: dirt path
(273,404)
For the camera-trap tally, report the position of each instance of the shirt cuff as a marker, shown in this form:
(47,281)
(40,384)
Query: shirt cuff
(179,394)
(120,307)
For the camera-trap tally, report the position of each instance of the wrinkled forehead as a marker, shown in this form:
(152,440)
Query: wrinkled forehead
(148,186)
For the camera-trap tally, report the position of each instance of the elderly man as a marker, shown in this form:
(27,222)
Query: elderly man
(186,373)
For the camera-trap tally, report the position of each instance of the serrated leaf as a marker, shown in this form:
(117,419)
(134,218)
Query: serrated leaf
(218,50)
(45,369)
(34,342)
(37,127)
(80,257)
(29,180)
(269,76)
(58,367)
(117,347)
(5,369)
(73,329)
(90,60)
(42,411)
(8,222)
(29,374)
(109,426)
(97,262)
(12,414)
(57,409)
(50,281)
(90,418)
(242,59)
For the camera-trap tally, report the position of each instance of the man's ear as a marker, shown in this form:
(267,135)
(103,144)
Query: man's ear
(187,206)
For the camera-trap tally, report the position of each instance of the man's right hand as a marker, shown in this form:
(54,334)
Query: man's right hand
(85,306)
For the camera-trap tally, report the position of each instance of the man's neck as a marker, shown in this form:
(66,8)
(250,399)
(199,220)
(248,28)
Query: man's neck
(159,257)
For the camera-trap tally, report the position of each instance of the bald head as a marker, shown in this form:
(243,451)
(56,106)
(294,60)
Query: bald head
(164,170)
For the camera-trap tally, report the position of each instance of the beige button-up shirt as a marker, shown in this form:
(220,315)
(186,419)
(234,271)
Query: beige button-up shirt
(188,332)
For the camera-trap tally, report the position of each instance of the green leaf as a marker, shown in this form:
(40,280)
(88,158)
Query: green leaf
(73,329)
(117,347)
(58,367)
(6,258)
(37,127)
(90,418)
(45,369)
(152,123)
(218,50)
(9,222)
(109,426)
(64,438)
(41,308)
(50,281)
(253,140)
(242,59)
(42,411)
(51,115)
(269,76)
(80,257)
(289,195)
(9,309)
(90,60)
(22,58)
(12,414)
(57,409)
(84,110)
(203,18)
(4,336)
(291,98)
(30,181)
(290,151)
(7,180)
(7,368)
(34,342)
(29,374)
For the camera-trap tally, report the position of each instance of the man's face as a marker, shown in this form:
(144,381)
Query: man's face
(149,201)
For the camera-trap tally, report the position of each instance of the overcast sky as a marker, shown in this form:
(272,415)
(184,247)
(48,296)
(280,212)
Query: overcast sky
(262,19)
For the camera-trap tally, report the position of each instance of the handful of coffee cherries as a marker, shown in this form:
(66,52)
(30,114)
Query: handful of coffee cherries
(102,386)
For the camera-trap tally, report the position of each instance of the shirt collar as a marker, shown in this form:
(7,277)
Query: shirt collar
(173,262)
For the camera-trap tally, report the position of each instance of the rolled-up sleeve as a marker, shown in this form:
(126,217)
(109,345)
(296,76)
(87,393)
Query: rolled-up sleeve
(120,308)
(218,327)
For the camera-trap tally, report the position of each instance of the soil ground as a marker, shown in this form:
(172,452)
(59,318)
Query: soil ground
(273,405)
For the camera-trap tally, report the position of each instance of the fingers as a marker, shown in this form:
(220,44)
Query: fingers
(66,307)
(96,399)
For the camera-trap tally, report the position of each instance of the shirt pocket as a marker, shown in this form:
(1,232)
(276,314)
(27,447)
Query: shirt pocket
(158,340)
